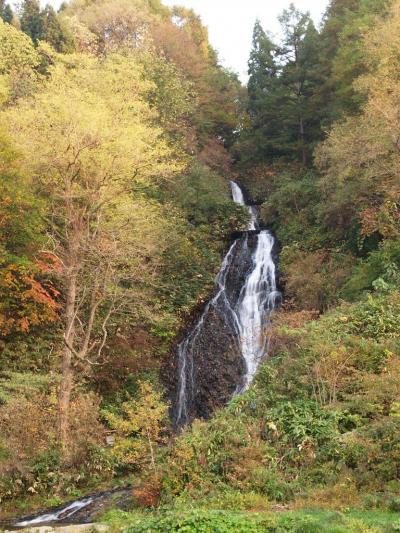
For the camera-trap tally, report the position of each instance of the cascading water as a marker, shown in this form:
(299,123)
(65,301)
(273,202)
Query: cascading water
(221,354)
(238,197)
(231,337)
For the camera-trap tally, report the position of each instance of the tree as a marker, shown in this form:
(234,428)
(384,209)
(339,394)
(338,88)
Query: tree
(6,13)
(262,105)
(183,40)
(262,66)
(360,158)
(115,24)
(53,32)
(283,117)
(27,296)
(341,54)
(299,79)
(139,428)
(19,62)
(16,51)
(85,163)
(31,20)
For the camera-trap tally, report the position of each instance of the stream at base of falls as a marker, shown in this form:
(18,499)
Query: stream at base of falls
(81,511)
(230,338)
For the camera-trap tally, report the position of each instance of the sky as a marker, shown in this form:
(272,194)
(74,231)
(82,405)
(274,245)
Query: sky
(231,22)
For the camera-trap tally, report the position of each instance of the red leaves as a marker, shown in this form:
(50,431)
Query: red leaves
(27,298)
(48,262)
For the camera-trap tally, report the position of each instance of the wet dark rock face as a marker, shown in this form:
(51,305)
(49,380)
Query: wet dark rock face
(215,366)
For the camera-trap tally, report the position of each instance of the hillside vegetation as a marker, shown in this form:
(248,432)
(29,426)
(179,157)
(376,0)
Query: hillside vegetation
(118,131)
(116,121)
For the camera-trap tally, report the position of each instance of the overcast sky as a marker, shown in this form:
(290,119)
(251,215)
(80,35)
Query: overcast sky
(231,22)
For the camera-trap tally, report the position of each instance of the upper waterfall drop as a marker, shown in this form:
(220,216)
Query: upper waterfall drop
(220,355)
(238,197)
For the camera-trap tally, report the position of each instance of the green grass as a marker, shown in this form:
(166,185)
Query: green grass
(213,521)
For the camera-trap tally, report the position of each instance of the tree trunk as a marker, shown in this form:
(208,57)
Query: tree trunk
(64,397)
(303,148)
(153,462)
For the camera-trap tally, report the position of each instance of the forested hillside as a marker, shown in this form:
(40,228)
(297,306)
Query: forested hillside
(119,132)
(115,126)
(319,153)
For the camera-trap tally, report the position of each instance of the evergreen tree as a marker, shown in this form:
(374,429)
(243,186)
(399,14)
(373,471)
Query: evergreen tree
(262,68)
(262,93)
(284,82)
(299,81)
(6,13)
(52,31)
(32,20)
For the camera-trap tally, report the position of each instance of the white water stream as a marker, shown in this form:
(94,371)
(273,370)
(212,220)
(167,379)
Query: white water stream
(247,314)
(258,297)
(62,514)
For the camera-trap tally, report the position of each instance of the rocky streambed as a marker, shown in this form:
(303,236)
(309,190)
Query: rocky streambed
(72,528)
(78,515)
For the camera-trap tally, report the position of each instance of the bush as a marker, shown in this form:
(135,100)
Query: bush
(30,462)
(380,270)
(196,522)
(376,318)
(200,521)
(313,279)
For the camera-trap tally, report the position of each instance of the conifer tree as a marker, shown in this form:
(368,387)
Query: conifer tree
(6,13)
(262,69)
(299,79)
(284,115)
(262,86)
(31,20)
(52,30)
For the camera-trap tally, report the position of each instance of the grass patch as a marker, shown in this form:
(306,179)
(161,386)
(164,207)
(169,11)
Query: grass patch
(214,521)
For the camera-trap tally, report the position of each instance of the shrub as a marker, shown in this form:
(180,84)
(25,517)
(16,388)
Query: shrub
(31,462)
(139,428)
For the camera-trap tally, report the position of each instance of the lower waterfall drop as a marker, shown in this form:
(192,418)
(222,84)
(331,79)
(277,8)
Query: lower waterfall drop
(246,293)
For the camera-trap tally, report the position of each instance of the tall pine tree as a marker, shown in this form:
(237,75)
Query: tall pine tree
(299,81)
(6,13)
(263,80)
(31,20)
(52,31)
(284,115)
(262,68)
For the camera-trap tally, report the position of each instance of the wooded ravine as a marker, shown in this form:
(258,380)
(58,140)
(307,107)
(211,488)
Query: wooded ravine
(199,280)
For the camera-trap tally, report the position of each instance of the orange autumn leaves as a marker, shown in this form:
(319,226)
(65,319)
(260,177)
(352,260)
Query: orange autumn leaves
(27,298)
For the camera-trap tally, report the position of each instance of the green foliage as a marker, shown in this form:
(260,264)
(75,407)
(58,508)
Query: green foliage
(139,428)
(376,318)
(206,216)
(283,120)
(6,12)
(16,50)
(379,271)
(318,424)
(13,384)
(54,32)
(31,20)
(197,521)
(292,208)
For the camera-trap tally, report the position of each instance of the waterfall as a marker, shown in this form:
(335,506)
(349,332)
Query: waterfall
(233,324)
(238,197)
